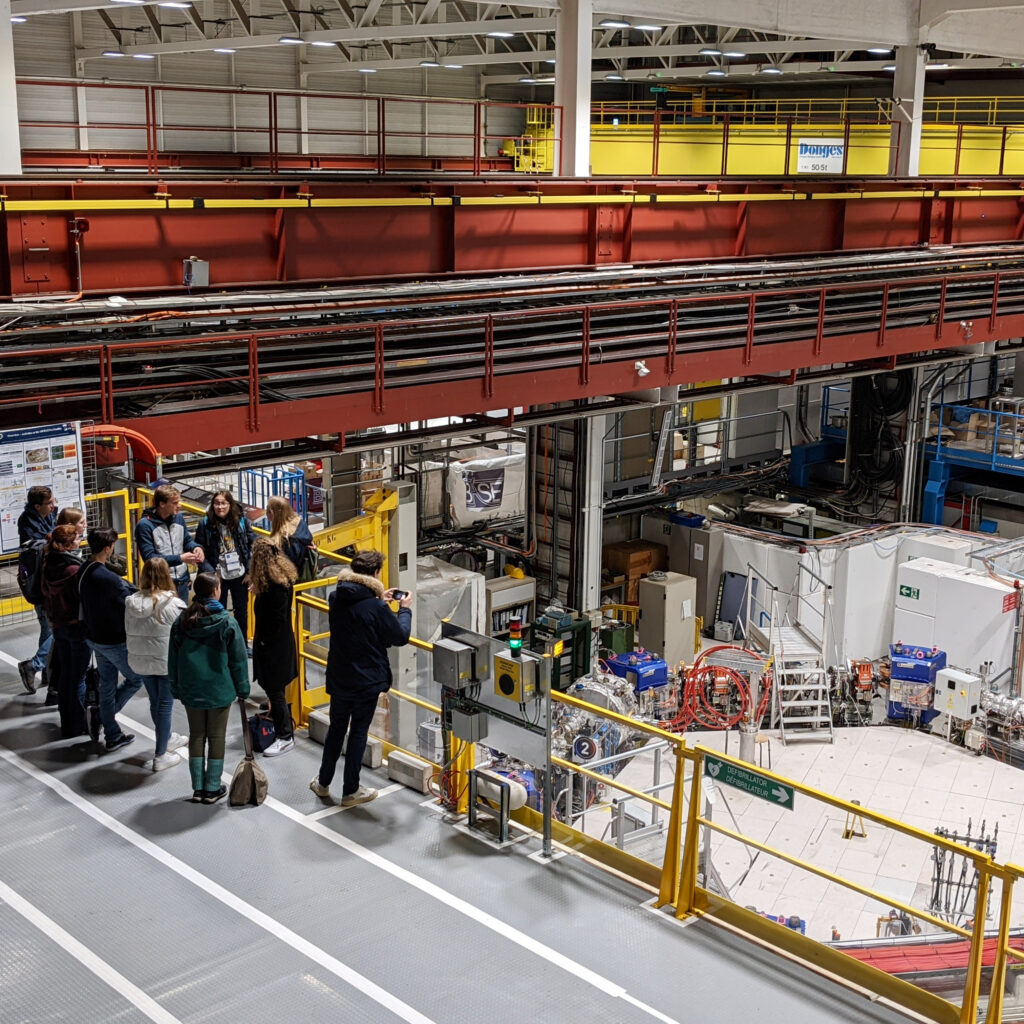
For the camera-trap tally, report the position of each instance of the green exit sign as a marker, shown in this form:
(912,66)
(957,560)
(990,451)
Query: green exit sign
(912,592)
(749,781)
(658,88)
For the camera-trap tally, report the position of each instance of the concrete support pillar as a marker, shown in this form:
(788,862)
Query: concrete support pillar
(10,139)
(573,54)
(908,105)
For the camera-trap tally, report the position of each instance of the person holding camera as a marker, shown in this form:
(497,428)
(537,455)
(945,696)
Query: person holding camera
(362,628)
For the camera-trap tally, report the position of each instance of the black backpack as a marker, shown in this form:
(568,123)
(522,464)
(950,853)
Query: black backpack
(30,570)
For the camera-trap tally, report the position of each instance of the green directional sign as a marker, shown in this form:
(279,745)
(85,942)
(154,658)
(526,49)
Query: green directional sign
(749,781)
(912,592)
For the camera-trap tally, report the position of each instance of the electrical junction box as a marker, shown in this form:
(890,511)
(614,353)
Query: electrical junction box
(195,273)
(470,726)
(667,616)
(958,693)
(453,663)
(516,679)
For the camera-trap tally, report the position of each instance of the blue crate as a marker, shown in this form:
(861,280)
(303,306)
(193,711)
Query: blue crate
(639,668)
(915,664)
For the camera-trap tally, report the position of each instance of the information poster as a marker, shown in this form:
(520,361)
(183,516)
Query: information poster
(48,456)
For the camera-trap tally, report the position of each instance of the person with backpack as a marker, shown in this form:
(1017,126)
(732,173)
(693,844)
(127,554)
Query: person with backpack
(149,614)
(208,670)
(103,594)
(36,521)
(274,664)
(226,536)
(60,600)
(290,533)
(162,533)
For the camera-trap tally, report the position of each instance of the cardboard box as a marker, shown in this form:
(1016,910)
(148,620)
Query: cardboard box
(635,558)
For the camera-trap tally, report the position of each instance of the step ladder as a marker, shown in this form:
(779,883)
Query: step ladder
(801,703)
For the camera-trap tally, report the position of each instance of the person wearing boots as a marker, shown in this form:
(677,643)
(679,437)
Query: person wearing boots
(362,628)
(208,670)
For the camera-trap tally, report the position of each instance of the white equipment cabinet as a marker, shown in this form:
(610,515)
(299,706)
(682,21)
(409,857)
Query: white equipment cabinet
(957,693)
(667,623)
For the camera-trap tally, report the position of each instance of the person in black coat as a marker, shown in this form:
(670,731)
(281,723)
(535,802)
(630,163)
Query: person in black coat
(226,538)
(362,628)
(36,521)
(274,665)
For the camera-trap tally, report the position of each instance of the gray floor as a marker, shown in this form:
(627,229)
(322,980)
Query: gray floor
(120,901)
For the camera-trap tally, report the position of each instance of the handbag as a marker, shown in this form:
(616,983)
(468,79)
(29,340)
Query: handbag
(249,782)
(262,732)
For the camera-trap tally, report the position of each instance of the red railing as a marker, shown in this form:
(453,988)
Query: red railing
(470,142)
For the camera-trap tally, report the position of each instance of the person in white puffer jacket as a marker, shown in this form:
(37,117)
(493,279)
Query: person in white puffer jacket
(149,614)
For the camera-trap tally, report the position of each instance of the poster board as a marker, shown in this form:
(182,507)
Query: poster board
(50,456)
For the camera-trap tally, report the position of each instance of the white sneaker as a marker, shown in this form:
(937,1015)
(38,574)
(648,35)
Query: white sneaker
(279,747)
(321,791)
(363,795)
(168,760)
(176,740)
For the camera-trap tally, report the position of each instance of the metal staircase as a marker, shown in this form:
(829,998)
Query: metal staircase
(797,642)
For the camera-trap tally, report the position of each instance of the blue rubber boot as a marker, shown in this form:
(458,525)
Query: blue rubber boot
(196,770)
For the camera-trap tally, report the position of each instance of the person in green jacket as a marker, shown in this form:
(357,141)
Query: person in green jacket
(208,668)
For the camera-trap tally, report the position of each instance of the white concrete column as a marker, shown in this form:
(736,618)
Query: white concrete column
(10,139)
(908,105)
(591,514)
(573,54)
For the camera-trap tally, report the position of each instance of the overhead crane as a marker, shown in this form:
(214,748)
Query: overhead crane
(197,372)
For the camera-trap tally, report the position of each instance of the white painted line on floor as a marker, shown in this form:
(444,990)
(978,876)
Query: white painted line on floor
(229,899)
(4,656)
(85,956)
(456,903)
(337,808)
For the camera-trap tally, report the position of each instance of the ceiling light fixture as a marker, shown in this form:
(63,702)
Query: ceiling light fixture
(710,51)
(223,49)
(613,77)
(114,53)
(880,50)
(648,28)
(717,73)
(733,53)
(17,19)
(452,67)
(499,34)
(550,60)
(942,66)
(143,56)
(367,71)
(135,2)
(889,67)
(321,42)
(428,63)
(614,23)
(291,40)
(770,69)
(526,80)
(181,5)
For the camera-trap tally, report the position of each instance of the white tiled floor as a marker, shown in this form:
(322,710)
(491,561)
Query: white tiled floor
(910,776)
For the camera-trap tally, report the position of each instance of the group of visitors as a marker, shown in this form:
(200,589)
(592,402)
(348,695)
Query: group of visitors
(152,637)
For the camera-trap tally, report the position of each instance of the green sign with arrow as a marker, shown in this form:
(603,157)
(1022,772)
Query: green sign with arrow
(912,592)
(749,781)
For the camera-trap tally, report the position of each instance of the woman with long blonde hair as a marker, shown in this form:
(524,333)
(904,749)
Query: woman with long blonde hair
(274,665)
(149,614)
(289,532)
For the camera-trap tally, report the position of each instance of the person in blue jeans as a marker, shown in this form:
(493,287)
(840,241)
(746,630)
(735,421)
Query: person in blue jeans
(102,595)
(362,627)
(163,533)
(36,522)
(149,614)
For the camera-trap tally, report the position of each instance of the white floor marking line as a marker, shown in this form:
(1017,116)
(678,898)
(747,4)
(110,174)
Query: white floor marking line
(85,956)
(229,899)
(4,656)
(503,929)
(337,808)
(456,903)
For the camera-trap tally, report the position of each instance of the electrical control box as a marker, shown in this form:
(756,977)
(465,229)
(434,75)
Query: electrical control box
(957,693)
(667,610)
(195,273)
(453,663)
(516,679)
(469,726)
